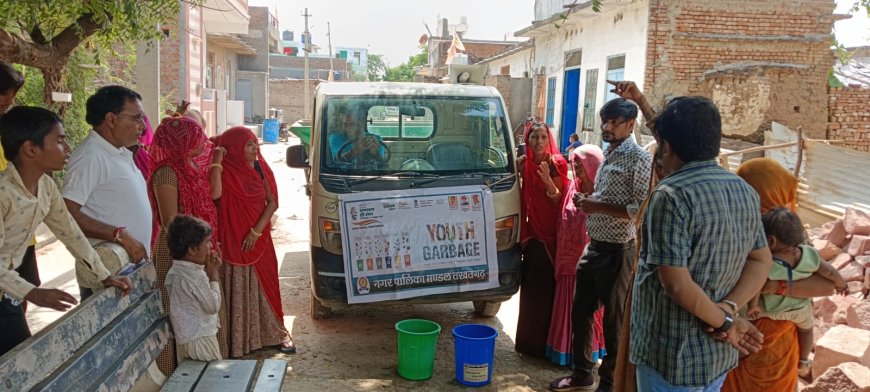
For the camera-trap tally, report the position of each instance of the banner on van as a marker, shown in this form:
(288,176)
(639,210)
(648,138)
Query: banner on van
(411,243)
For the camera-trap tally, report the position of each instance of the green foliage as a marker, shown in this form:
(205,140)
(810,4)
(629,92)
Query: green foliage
(859,4)
(405,72)
(376,67)
(86,71)
(119,20)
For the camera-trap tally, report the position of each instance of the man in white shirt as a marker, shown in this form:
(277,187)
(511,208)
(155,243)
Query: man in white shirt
(34,142)
(103,189)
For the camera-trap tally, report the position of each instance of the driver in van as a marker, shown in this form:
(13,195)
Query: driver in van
(355,144)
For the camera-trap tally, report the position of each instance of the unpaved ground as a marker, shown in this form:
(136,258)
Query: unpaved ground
(356,348)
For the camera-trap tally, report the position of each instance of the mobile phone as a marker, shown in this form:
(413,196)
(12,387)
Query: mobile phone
(521,150)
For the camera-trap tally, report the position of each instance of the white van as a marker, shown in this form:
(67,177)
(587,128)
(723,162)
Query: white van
(430,139)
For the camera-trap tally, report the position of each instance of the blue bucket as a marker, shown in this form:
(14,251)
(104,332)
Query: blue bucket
(474,347)
(270,130)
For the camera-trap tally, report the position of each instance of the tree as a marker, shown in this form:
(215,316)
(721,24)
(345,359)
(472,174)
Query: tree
(44,34)
(376,67)
(405,72)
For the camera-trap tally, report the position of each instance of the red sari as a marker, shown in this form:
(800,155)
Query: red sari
(250,279)
(242,201)
(538,237)
(175,140)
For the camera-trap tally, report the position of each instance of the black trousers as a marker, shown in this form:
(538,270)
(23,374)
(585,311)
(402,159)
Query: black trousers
(13,323)
(603,278)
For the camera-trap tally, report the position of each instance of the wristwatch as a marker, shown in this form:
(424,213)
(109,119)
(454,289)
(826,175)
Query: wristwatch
(726,325)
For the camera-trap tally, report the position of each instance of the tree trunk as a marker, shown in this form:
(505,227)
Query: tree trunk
(54,81)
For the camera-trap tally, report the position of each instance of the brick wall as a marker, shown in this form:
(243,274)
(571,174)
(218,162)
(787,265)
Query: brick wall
(170,65)
(258,38)
(849,116)
(759,61)
(289,95)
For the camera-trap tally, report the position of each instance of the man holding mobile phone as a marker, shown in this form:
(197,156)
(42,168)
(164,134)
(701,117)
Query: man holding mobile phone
(355,145)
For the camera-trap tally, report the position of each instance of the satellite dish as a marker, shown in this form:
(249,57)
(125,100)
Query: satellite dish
(466,74)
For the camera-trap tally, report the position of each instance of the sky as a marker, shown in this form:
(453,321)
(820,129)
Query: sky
(392,27)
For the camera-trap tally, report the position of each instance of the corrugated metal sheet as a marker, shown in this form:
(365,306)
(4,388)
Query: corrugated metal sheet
(834,178)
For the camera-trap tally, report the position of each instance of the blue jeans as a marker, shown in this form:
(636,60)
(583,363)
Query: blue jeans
(649,380)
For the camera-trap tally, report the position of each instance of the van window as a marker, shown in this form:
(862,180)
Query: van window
(384,121)
(438,135)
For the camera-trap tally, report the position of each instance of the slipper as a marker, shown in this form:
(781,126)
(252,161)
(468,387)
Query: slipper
(570,383)
(287,347)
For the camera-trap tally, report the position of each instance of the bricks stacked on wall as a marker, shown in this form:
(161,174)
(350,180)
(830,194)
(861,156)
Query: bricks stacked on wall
(849,116)
(288,95)
(170,64)
(758,60)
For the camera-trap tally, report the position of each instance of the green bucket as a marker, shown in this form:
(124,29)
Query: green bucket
(417,341)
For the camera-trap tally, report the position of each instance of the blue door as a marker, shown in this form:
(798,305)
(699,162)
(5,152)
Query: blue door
(570,104)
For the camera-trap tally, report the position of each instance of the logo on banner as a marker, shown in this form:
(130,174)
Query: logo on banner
(362,285)
(363,216)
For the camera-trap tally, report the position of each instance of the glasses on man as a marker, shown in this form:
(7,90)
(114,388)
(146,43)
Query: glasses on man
(613,123)
(139,118)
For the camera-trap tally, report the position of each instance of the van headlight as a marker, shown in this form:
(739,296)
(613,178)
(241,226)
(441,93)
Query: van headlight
(330,235)
(505,232)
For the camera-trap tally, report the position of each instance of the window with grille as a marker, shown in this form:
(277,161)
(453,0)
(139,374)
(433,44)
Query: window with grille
(615,71)
(551,101)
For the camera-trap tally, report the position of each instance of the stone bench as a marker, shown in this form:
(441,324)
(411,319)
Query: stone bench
(226,375)
(105,343)
(108,342)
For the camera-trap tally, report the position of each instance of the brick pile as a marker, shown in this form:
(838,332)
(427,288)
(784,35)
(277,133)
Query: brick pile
(842,323)
(849,116)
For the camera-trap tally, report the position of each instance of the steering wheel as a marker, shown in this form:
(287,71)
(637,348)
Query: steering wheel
(500,159)
(341,154)
(417,164)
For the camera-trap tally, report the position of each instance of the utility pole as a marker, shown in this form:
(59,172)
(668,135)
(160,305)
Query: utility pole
(329,35)
(307,36)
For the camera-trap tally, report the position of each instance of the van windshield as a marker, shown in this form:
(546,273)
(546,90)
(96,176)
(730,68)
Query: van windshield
(437,135)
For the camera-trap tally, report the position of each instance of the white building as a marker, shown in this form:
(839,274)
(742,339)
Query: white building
(578,54)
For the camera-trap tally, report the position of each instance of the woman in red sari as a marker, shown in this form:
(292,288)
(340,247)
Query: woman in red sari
(544,181)
(185,180)
(571,239)
(250,272)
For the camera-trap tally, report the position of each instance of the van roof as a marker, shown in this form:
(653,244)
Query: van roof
(397,88)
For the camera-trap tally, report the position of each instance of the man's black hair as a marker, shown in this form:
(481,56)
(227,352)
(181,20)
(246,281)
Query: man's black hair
(10,78)
(692,126)
(783,225)
(25,123)
(185,232)
(618,108)
(108,99)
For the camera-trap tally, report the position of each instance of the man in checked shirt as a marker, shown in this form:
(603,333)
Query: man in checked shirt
(604,270)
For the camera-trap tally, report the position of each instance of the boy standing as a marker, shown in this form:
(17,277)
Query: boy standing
(34,143)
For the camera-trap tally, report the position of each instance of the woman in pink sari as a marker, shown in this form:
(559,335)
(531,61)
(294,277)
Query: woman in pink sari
(544,181)
(571,239)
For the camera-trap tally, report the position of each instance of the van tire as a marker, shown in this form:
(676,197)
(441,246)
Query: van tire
(318,310)
(486,308)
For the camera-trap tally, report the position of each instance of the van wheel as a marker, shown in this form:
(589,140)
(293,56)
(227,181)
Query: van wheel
(318,310)
(486,308)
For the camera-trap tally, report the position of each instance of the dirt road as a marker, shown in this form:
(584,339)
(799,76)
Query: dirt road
(356,348)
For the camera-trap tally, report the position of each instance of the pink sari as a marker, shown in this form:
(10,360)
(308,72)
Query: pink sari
(571,239)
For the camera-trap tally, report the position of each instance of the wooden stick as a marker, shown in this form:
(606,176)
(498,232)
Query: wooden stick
(800,152)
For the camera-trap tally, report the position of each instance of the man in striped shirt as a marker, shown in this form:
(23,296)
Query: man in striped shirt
(694,273)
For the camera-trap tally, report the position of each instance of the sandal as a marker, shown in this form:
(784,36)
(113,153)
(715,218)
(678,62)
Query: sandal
(571,383)
(287,346)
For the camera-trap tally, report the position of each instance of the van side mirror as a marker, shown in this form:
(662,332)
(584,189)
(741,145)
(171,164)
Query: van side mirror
(297,157)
